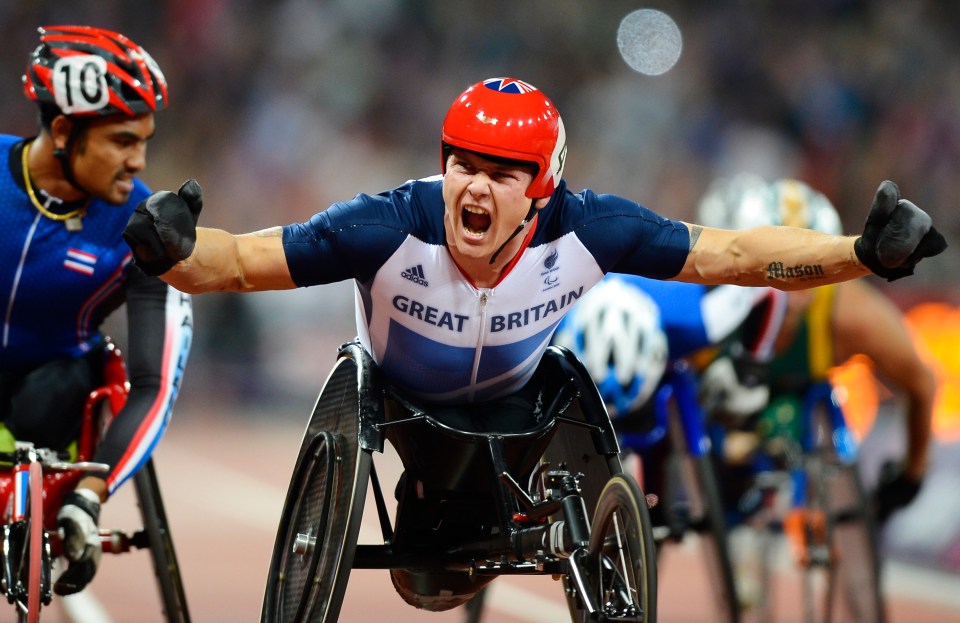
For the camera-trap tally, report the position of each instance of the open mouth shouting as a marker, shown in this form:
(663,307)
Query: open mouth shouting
(476,221)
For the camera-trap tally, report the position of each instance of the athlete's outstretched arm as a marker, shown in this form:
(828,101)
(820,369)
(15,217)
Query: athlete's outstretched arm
(786,258)
(225,262)
(896,236)
(166,241)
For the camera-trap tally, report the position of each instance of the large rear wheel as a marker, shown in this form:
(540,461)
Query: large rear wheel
(172,594)
(708,521)
(852,591)
(692,504)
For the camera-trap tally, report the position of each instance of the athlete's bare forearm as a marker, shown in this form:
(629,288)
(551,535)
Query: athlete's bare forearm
(226,262)
(785,258)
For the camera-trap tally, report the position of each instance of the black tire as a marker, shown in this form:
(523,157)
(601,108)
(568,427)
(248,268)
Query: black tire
(711,526)
(320,522)
(621,557)
(173,597)
(692,487)
(854,592)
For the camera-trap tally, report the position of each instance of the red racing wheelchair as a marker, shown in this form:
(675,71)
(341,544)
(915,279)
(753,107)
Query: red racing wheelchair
(33,483)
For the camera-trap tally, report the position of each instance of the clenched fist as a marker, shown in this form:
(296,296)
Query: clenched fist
(163,229)
(897,235)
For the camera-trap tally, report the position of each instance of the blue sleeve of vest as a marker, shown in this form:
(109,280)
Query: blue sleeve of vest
(626,237)
(349,240)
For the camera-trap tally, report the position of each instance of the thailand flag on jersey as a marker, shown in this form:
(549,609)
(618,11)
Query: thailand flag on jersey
(80,261)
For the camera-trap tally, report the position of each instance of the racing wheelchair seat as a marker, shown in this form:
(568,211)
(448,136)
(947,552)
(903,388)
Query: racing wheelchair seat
(463,517)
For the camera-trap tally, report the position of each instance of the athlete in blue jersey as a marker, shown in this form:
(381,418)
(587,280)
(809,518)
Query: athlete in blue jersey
(462,278)
(67,194)
(628,329)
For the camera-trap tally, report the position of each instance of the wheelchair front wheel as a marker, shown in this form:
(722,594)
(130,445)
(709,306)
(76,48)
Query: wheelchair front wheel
(320,522)
(621,572)
(317,537)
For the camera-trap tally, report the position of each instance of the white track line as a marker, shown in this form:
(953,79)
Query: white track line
(84,607)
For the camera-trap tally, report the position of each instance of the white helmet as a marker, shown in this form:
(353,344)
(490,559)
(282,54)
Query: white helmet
(615,330)
(746,200)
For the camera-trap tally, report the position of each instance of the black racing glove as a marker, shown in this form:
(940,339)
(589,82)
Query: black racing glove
(895,490)
(163,229)
(897,235)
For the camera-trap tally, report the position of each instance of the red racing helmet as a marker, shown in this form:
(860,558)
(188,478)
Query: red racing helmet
(90,71)
(509,118)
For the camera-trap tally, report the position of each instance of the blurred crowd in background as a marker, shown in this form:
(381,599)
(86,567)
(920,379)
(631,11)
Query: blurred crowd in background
(281,108)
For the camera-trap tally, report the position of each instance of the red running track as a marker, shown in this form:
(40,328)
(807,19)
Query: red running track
(224,479)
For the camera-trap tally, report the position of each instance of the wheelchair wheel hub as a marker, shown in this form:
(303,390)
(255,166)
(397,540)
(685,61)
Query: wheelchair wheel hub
(304,544)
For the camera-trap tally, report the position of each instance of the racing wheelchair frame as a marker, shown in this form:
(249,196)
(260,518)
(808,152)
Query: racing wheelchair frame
(809,492)
(675,450)
(464,517)
(33,483)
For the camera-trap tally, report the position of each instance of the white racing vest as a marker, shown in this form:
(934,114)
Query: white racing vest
(428,328)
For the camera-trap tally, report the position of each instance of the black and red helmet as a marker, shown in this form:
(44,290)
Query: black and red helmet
(90,71)
(509,118)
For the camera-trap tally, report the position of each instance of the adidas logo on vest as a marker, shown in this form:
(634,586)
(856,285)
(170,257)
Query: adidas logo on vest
(415,274)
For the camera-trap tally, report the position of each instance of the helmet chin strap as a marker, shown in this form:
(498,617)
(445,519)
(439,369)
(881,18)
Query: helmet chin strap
(516,232)
(63,155)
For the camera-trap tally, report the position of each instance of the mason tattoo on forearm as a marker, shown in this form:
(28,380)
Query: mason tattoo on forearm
(797,272)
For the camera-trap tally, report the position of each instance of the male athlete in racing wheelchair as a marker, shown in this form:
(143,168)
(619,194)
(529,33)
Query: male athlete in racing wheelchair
(456,307)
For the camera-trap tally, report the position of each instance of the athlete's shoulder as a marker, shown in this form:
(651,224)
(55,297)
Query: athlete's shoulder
(360,234)
(620,234)
(6,166)
(415,208)
(569,211)
(420,203)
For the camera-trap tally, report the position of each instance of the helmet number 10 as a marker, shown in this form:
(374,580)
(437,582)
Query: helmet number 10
(80,84)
